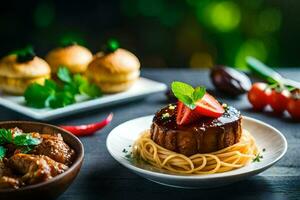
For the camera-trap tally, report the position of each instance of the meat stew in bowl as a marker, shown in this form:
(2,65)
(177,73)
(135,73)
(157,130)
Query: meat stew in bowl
(28,158)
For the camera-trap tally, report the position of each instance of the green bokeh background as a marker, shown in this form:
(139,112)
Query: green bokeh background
(178,33)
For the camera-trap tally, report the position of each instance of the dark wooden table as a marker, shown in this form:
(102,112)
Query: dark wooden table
(101,177)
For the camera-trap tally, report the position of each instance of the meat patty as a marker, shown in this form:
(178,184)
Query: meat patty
(35,168)
(204,136)
(54,147)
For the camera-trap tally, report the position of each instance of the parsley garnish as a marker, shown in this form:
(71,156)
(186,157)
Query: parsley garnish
(55,95)
(187,94)
(25,54)
(2,152)
(111,46)
(257,158)
(23,141)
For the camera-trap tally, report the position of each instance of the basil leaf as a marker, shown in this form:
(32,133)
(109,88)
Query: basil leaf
(26,140)
(64,75)
(198,93)
(2,152)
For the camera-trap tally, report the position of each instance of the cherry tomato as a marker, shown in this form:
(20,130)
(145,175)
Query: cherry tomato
(258,95)
(278,100)
(293,105)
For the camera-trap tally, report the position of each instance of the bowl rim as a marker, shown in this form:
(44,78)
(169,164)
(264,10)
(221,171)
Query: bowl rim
(76,163)
(199,177)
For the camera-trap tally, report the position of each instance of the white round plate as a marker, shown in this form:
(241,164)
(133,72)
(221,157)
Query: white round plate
(121,138)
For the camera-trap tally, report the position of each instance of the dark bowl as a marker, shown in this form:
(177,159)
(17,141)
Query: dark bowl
(52,188)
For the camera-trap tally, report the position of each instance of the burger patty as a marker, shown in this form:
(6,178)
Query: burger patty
(203,136)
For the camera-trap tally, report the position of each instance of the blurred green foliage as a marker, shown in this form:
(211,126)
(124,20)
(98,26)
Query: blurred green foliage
(163,33)
(227,31)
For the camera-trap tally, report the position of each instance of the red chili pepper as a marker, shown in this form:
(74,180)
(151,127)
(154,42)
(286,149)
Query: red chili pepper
(88,129)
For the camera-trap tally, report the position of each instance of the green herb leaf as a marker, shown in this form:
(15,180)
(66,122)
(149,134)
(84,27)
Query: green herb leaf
(90,90)
(181,88)
(187,94)
(62,99)
(50,84)
(64,75)
(2,152)
(71,88)
(5,136)
(26,140)
(67,43)
(25,54)
(79,80)
(56,95)
(36,95)
(198,93)
(112,45)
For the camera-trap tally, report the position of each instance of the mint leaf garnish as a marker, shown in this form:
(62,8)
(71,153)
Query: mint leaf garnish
(198,93)
(187,94)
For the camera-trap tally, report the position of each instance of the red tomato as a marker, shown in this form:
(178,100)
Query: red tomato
(278,100)
(258,95)
(293,105)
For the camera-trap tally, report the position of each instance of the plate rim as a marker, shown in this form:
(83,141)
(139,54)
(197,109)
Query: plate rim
(200,177)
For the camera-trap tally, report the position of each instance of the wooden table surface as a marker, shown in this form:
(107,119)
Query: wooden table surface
(101,177)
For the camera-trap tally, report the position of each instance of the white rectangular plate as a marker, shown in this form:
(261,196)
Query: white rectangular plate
(141,88)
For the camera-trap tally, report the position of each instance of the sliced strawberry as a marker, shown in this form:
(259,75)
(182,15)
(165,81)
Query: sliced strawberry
(185,115)
(209,106)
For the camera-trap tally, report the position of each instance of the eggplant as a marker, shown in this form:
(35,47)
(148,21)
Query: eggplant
(230,81)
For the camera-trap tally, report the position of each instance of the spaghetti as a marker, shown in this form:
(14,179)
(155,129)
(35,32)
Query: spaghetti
(227,159)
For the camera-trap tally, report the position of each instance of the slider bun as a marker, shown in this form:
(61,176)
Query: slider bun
(9,67)
(115,87)
(18,86)
(114,72)
(119,61)
(75,57)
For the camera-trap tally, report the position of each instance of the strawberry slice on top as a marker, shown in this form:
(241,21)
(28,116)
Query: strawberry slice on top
(185,115)
(194,104)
